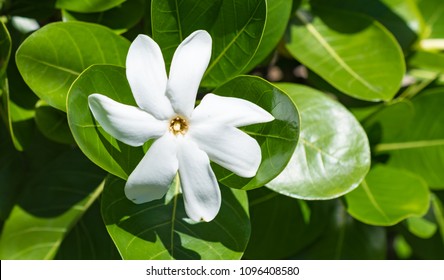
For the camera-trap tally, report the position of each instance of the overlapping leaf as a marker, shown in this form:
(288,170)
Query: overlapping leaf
(412,133)
(277,138)
(387,196)
(87,6)
(235,26)
(333,154)
(54,199)
(161,230)
(52,58)
(354,53)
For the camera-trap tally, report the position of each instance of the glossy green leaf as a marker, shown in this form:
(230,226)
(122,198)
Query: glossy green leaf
(52,57)
(236,28)
(388,196)
(89,239)
(53,200)
(53,123)
(401,17)
(414,138)
(88,6)
(427,60)
(346,239)
(161,229)
(354,53)
(277,139)
(333,154)
(282,226)
(120,19)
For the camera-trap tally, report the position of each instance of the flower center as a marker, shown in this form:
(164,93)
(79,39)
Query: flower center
(178,125)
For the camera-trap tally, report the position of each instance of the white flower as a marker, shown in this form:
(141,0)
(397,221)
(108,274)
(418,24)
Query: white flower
(186,138)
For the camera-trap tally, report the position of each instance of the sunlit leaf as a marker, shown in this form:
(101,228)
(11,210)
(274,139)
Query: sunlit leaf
(52,57)
(414,138)
(387,196)
(354,53)
(333,154)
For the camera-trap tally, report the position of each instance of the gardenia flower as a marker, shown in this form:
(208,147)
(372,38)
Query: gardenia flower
(186,138)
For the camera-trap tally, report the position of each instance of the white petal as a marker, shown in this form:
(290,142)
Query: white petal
(126,123)
(229,147)
(145,71)
(200,189)
(230,111)
(187,68)
(154,174)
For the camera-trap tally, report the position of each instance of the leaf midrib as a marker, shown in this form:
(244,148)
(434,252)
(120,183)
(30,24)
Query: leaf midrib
(335,55)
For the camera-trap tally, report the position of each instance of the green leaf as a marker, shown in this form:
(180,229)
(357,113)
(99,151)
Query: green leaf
(421,227)
(433,13)
(161,229)
(89,239)
(120,18)
(53,123)
(346,239)
(277,139)
(52,57)
(282,226)
(101,148)
(88,6)
(401,17)
(235,26)
(333,154)
(427,60)
(414,138)
(278,14)
(52,202)
(388,196)
(354,53)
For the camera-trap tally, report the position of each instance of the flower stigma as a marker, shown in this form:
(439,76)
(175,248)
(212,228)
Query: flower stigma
(178,125)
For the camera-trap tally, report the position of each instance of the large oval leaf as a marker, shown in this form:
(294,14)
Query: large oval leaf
(333,154)
(54,199)
(388,196)
(354,53)
(277,139)
(52,57)
(161,229)
(235,26)
(87,6)
(412,133)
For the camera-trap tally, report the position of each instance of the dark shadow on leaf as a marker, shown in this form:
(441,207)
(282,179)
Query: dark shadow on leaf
(134,226)
(65,178)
